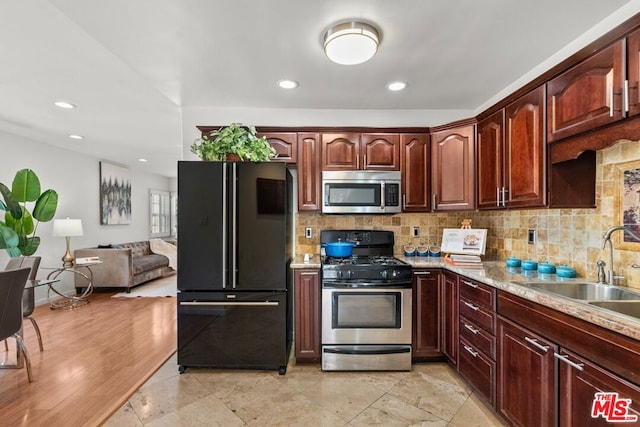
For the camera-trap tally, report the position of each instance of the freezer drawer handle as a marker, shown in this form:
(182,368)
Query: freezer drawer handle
(246,303)
(377,351)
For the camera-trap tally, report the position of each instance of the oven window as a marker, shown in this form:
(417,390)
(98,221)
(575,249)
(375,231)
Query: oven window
(367,310)
(354,194)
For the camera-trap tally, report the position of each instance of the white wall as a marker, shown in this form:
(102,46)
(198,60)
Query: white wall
(76,179)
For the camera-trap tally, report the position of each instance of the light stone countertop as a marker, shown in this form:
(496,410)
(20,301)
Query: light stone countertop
(298,262)
(495,274)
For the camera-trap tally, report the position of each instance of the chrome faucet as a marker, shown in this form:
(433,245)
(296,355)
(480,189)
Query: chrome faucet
(607,238)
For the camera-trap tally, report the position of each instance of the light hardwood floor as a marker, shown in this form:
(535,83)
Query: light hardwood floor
(94,358)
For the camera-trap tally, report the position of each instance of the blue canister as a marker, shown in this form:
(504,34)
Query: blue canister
(434,251)
(529,264)
(546,268)
(409,250)
(565,271)
(422,251)
(513,262)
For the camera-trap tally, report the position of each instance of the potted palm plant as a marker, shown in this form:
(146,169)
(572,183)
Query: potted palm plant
(18,230)
(234,143)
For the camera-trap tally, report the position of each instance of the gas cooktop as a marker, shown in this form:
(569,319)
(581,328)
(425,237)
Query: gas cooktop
(380,260)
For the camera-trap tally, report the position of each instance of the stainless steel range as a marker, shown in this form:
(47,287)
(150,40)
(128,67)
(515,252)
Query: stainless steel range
(366,304)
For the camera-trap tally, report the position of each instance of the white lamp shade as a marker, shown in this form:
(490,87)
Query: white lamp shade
(351,43)
(67,227)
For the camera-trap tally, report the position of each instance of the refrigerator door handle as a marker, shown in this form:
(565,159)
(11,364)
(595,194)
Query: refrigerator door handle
(238,303)
(234,229)
(224,226)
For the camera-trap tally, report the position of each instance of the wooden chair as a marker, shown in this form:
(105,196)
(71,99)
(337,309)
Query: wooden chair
(28,298)
(12,283)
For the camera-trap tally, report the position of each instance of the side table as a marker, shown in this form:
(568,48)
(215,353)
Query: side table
(71,301)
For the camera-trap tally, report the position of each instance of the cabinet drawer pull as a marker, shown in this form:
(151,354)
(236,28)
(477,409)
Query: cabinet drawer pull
(471,306)
(470,350)
(536,344)
(473,285)
(422,273)
(472,329)
(565,359)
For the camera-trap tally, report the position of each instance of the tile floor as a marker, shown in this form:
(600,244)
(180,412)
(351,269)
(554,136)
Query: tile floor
(430,395)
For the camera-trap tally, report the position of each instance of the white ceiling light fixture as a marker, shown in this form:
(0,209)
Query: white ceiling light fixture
(142,160)
(287,84)
(75,136)
(64,104)
(351,43)
(396,86)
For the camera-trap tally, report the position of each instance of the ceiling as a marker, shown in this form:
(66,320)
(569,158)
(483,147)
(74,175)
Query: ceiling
(136,68)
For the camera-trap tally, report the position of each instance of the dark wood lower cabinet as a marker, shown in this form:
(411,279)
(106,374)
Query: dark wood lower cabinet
(478,369)
(547,369)
(426,315)
(307,306)
(526,376)
(578,385)
(450,316)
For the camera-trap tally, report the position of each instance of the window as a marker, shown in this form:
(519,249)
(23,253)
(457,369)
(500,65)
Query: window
(159,213)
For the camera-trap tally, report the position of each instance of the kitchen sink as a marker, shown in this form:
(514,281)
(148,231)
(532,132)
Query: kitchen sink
(630,308)
(583,290)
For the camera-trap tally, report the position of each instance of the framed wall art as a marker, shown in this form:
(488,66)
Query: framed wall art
(627,202)
(115,194)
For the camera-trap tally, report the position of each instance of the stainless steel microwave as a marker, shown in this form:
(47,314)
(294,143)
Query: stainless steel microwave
(363,192)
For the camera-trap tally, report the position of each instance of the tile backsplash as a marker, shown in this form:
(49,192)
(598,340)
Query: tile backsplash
(564,236)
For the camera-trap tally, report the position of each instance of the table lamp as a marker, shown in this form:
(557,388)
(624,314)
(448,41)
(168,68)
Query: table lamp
(67,228)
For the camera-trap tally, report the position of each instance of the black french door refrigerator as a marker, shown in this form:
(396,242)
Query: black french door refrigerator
(234,251)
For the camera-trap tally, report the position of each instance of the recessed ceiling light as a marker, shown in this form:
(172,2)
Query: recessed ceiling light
(288,84)
(64,104)
(142,160)
(74,136)
(395,86)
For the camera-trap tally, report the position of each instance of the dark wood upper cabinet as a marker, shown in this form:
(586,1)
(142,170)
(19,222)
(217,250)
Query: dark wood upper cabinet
(415,163)
(633,61)
(340,151)
(355,151)
(490,172)
(588,95)
(525,151)
(380,151)
(453,169)
(285,144)
(309,176)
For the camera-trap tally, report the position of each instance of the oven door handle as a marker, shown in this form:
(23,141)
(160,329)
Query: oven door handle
(386,350)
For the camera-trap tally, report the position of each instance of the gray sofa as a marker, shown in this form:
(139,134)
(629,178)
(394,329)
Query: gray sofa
(123,265)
